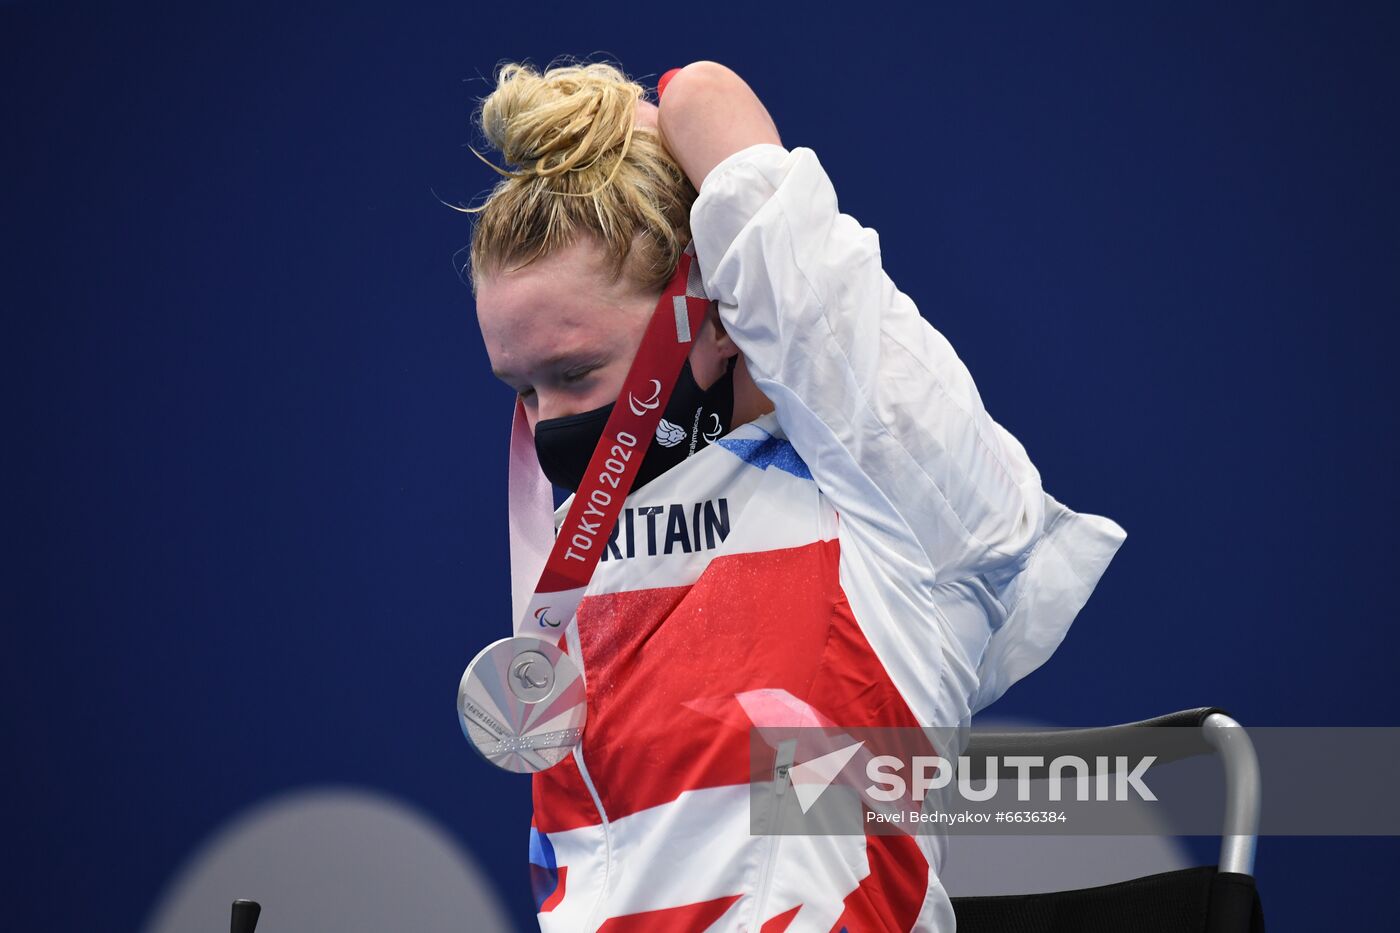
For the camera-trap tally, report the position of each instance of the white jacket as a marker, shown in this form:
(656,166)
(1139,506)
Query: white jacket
(876,552)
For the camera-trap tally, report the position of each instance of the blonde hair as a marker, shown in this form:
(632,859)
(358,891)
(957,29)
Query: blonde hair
(580,168)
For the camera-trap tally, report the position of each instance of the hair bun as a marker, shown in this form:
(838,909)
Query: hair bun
(579,169)
(564,120)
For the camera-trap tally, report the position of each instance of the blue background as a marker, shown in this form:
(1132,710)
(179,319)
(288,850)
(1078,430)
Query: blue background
(255,471)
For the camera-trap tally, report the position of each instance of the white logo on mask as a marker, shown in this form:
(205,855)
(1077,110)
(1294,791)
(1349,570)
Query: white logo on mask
(668,434)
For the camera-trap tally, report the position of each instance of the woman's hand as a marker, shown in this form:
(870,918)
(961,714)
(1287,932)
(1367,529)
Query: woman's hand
(707,115)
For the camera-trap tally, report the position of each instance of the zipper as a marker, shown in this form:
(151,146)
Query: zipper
(576,650)
(787,753)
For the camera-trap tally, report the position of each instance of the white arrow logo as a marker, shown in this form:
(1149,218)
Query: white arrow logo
(811,778)
(641,408)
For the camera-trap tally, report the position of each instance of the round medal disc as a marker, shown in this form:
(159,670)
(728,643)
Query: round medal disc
(521,704)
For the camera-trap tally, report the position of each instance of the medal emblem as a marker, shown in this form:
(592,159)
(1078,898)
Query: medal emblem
(521,704)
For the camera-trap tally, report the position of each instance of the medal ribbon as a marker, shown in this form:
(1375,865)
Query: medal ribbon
(630,430)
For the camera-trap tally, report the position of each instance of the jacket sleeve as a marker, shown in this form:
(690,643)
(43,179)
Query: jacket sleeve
(872,397)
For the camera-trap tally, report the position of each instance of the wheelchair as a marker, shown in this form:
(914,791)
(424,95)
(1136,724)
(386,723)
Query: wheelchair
(1208,899)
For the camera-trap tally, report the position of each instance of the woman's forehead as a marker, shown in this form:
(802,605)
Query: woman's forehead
(531,316)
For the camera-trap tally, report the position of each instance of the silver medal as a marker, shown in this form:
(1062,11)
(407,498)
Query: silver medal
(521,704)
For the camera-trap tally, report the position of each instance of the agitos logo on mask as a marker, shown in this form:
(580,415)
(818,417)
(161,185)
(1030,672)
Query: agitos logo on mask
(565,445)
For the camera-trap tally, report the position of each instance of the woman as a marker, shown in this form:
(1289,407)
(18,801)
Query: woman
(845,538)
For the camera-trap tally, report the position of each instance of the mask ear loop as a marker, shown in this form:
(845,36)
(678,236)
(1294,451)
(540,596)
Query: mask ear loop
(530,503)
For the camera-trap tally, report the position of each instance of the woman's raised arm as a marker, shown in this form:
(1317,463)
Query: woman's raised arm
(708,114)
(873,399)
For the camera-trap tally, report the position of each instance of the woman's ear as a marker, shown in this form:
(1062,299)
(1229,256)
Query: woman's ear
(713,352)
(723,342)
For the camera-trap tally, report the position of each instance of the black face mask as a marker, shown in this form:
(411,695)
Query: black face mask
(694,418)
